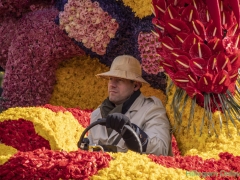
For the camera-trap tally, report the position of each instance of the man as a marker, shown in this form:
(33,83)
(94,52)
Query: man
(127,106)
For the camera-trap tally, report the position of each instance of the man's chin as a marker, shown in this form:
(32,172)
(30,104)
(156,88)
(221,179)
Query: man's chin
(113,100)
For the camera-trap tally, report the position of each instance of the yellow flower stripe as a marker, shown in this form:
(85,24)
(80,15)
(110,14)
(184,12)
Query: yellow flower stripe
(133,166)
(77,85)
(62,130)
(207,145)
(6,152)
(141,8)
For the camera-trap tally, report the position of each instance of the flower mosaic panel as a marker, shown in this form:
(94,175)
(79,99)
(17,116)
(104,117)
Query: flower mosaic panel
(86,22)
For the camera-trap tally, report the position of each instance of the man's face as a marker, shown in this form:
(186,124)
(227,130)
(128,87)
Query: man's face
(119,90)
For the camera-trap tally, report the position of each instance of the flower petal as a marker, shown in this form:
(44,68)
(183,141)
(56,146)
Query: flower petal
(189,14)
(235,61)
(181,79)
(214,11)
(215,45)
(179,39)
(223,62)
(200,50)
(198,66)
(168,44)
(190,41)
(236,9)
(171,13)
(175,26)
(212,65)
(205,83)
(221,82)
(159,8)
(199,28)
(182,63)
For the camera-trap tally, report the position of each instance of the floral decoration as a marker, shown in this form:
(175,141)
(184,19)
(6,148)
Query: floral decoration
(148,43)
(47,124)
(7,31)
(49,147)
(141,8)
(83,116)
(17,8)
(200,53)
(86,22)
(47,164)
(74,79)
(79,164)
(197,139)
(131,165)
(123,41)
(6,152)
(157,81)
(23,131)
(224,168)
(38,46)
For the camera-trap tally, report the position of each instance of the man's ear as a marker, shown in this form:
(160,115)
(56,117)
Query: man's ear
(137,86)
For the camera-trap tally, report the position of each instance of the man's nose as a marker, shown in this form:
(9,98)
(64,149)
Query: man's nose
(112,82)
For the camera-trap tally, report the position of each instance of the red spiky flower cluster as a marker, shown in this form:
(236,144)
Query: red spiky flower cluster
(200,42)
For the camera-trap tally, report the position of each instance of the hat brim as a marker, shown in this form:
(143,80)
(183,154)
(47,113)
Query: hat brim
(122,74)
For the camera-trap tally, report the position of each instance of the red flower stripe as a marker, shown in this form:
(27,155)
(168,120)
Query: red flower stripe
(48,164)
(227,167)
(175,148)
(21,135)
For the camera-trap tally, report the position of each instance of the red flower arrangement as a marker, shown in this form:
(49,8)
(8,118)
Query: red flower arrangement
(48,164)
(33,57)
(21,135)
(200,51)
(209,168)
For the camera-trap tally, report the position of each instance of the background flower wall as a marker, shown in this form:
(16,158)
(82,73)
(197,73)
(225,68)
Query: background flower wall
(50,87)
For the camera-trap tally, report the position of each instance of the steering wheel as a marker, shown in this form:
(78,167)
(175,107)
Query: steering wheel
(82,146)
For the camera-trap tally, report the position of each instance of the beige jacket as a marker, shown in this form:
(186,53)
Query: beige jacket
(147,113)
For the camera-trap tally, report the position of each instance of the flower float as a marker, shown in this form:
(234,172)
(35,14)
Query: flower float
(63,78)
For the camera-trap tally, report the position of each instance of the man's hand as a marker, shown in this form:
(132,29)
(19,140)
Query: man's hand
(116,121)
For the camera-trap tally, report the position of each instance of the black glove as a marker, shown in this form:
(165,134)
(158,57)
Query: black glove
(103,123)
(116,121)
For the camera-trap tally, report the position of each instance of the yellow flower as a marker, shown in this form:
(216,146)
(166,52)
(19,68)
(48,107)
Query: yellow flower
(206,144)
(141,8)
(6,152)
(77,85)
(133,166)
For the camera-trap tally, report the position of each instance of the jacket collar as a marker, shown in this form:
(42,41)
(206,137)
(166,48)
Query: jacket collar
(138,102)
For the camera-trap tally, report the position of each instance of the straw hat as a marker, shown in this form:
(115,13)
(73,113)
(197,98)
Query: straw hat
(126,67)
